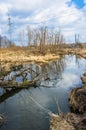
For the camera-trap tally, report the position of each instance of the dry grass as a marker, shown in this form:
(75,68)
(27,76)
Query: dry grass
(59,123)
(19,55)
(77,98)
(68,121)
(82,52)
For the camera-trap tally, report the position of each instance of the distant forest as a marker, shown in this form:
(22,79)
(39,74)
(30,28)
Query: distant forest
(4,42)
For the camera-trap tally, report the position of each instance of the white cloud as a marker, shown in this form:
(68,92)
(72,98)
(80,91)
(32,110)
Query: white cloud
(4,8)
(84,1)
(26,4)
(56,13)
(69,80)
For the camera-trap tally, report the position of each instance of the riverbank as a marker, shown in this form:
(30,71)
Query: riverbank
(77,98)
(18,55)
(11,57)
(15,57)
(76,120)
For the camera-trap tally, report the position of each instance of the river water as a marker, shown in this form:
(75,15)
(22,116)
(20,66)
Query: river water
(28,109)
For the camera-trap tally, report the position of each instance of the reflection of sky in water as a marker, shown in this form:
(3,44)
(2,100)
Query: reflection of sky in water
(69,76)
(27,110)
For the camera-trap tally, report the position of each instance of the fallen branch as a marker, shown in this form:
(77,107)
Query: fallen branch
(24,84)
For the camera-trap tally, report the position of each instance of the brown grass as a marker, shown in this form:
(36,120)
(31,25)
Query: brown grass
(18,55)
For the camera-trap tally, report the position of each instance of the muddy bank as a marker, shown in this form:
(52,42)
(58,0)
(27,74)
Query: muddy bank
(77,98)
(69,121)
(77,119)
(59,122)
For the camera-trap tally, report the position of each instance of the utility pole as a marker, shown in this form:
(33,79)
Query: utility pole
(10,28)
(77,38)
(21,38)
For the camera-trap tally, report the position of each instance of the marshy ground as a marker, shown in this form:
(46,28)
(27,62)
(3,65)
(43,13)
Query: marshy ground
(16,56)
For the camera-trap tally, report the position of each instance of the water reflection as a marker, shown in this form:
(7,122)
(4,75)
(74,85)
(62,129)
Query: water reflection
(48,72)
(52,72)
(28,109)
(8,93)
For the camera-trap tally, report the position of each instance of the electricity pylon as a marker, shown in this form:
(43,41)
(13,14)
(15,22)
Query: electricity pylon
(10,28)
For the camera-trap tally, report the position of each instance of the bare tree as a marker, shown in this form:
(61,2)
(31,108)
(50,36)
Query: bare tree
(29,36)
(45,39)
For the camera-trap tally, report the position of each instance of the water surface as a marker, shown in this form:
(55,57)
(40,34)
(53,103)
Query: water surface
(28,109)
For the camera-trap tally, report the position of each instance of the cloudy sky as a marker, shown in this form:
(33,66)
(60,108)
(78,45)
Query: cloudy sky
(67,15)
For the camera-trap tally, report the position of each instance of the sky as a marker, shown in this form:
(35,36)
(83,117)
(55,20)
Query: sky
(68,16)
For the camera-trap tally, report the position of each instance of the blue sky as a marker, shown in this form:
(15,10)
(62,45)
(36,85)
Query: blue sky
(67,15)
(78,3)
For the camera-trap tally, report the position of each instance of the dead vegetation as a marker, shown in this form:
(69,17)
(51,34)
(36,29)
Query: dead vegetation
(19,55)
(71,121)
(77,98)
(59,123)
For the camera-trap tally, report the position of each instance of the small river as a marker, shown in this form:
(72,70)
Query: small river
(28,109)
